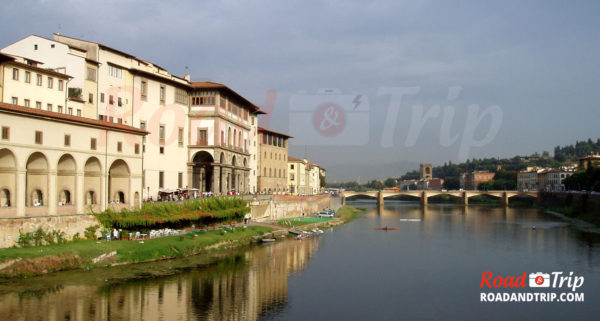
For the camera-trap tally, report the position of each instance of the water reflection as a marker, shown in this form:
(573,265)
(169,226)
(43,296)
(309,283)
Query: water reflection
(243,286)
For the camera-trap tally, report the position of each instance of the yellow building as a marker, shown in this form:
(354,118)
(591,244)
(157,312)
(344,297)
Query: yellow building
(273,162)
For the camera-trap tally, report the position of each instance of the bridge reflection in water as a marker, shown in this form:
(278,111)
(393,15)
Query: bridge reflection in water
(244,286)
(423,196)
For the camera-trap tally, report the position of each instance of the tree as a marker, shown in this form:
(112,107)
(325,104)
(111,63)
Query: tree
(390,182)
(452,182)
(322,180)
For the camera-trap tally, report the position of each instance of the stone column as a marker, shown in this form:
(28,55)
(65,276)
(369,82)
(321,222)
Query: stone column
(505,198)
(380,199)
(216,178)
(103,192)
(202,180)
(190,175)
(424,198)
(21,189)
(465,198)
(52,192)
(79,193)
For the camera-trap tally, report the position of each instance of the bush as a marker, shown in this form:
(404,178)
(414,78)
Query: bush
(172,214)
(90,232)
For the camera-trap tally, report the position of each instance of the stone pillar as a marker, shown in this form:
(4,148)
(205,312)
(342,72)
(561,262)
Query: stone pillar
(216,178)
(465,198)
(52,193)
(103,192)
(380,199)
(202,180)
(190,175)
(343,201)
(21,195)
(424,199)
(504,198)
(79,193)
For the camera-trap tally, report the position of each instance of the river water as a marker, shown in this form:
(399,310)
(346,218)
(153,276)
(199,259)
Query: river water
(429,269)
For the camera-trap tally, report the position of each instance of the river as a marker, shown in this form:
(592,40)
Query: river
(429,269)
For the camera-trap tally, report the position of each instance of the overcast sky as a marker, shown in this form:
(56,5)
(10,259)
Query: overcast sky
(528,70)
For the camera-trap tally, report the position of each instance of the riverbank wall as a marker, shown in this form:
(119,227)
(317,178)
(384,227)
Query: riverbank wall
(283,206)
(586,202)
(69,224)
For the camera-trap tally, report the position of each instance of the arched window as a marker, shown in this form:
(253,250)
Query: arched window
(265,170)
(5,198)
(37,198)
(90,198)
(65,198)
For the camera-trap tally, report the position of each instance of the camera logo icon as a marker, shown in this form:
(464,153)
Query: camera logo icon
(329,118)
(539,280)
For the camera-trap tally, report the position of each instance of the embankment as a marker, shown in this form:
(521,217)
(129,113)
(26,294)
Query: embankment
(280,207)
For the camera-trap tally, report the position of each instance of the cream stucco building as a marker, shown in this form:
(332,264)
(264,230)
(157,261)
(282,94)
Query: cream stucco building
(273,162)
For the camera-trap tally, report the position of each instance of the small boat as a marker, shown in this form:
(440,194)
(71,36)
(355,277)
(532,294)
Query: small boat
(386,228)
(296,232)
(267,240)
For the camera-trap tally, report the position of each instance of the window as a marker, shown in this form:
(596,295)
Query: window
(50,82)
(110,119)
(101,117)
(142,125)
(161,133)
(102,97)
(67,140)
(162,94)
(119,147)
(35,47)
(15,101)
(15,74)
(70,111)
(119,102)
(181,96)
(144,90)
(204,98)
(137,148)
(60,109)
(91,74)
(291,176)
(202,137)
(38,104)
(38,79)
(115,71)
(111,99)
(180,180)
(61,85)
(91,98)
(161,149)
(291,166)
(78,112)
(180,136)
(49,107)
(93,144)
(26,103)
(28,77)
(5,132)
(119,120)
(161,179)
(38,137)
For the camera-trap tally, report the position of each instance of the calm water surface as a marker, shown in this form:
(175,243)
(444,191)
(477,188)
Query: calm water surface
(430,269)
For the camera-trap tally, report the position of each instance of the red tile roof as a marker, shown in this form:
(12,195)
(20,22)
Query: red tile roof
(261,129)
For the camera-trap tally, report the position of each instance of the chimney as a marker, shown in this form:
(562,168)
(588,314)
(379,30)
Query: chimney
(186,77)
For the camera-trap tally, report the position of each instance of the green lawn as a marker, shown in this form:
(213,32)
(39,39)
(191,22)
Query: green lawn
(299,221)
(134,251)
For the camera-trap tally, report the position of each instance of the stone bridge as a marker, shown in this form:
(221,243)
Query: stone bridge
(504,196)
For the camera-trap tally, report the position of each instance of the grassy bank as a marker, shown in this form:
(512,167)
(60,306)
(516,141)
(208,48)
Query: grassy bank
(348,213)
(27,261)
(299,221)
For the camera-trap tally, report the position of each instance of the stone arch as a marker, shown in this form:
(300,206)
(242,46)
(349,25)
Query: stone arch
(66,171)
(229,137)
(202,171)
(118,181)
(235,138)
(136,198)
(222,158)
(37,180)
(233,161)
(8,178)
(92,180)
(245,162)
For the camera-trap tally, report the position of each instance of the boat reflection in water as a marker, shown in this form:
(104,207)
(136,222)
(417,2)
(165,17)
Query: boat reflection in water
(243,286)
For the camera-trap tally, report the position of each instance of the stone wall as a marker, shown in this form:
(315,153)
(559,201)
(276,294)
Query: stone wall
(69,224)
(281,206)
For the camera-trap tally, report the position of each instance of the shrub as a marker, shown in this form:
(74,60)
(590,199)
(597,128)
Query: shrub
(90,232)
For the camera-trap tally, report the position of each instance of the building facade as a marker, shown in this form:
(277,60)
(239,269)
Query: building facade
(273,162)
(61,164)
(472,179)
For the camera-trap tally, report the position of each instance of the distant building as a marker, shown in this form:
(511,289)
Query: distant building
(273,162)
(430,184)
(552,179)
(527,179)
(408,184)
(426,171)
(589,161)
(473,179)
